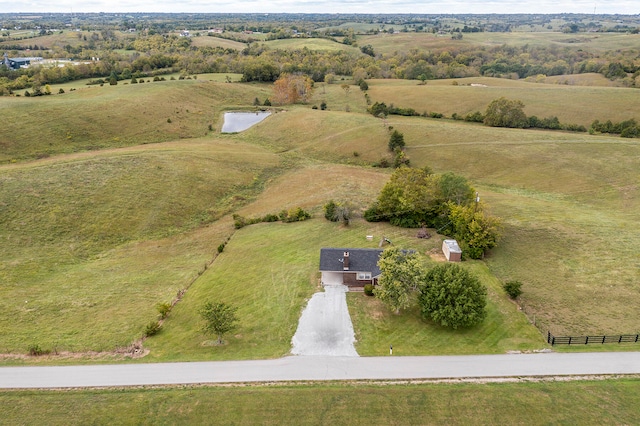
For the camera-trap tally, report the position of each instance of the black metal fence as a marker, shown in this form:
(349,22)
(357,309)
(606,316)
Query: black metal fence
(588,340)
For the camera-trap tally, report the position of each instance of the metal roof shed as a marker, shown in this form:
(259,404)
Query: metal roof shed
(452,250)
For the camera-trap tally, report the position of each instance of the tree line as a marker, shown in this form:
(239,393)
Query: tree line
(157,53)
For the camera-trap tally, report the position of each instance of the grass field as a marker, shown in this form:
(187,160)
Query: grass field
(600,42)
(309,43)
(207,41)
(98,235)
(588,103)
(116,116)
(271,289)
(573,402)
(140,220)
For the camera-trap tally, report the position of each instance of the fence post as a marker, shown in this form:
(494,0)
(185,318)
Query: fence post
(637,337)
(548,336)
(586,340)
(620,339)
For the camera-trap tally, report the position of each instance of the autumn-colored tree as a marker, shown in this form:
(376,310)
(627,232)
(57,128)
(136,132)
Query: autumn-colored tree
(292,88)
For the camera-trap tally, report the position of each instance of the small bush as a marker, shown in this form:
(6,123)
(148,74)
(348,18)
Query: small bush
(372,214)
(474,117)
(36,350)
(221,247)
(368,289)
(294,215)
(163,309)
(270,217)
(512,288)
(330,211)
(168,120)
(152,328)
(384,163)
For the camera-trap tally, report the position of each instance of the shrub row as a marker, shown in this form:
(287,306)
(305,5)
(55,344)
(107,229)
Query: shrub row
(626,129)
(297,214)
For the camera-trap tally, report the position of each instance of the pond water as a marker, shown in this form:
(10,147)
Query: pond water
(239,121)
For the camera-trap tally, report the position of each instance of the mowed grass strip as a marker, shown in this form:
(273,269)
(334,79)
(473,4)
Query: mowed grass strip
(76,268)
(572,402)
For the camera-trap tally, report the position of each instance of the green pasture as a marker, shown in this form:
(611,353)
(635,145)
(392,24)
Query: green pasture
(593,42)
(143,219)
(53,41)
(107,116)
(569,402)
(94,238)
(309,43)
(588,103)
(269,271)
(210,41)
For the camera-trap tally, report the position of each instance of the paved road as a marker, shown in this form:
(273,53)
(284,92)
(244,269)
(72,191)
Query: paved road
(302,368)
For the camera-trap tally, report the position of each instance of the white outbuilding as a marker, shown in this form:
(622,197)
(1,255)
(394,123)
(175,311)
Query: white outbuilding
(451,250)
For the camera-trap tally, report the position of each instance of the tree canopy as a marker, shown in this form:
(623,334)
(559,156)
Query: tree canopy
(503,112)
(452,297)
(416,197)
(292,88)
(219,318)
(401,274)
(475,230)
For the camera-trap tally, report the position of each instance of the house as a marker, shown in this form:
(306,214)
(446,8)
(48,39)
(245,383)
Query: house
(452,250)
(349,266)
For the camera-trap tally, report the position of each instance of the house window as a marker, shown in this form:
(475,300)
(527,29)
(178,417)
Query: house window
(364,276)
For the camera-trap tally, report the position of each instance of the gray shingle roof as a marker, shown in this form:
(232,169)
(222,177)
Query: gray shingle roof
(360,260)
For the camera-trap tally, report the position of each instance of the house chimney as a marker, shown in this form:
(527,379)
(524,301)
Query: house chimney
(345,264)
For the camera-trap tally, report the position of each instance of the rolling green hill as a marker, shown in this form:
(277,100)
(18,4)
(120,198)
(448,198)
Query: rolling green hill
(133,198)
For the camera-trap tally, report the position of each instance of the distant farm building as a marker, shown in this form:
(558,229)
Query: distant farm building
(451,250)
(17,63)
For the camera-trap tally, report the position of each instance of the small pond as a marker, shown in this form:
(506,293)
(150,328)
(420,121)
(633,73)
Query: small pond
(239,121)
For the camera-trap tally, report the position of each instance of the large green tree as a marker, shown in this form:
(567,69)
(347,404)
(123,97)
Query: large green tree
(475,230)
(410,197)
(415,197)
(452,297)
(503,112)
(219,318)
(396,141)
(401,274)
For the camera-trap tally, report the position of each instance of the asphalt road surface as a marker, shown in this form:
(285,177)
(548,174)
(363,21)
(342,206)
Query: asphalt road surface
(319,368)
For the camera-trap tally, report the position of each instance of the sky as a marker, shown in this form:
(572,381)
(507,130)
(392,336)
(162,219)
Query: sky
(629,7)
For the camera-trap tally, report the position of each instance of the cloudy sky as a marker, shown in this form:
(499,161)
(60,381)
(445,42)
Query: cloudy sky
(323,6)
